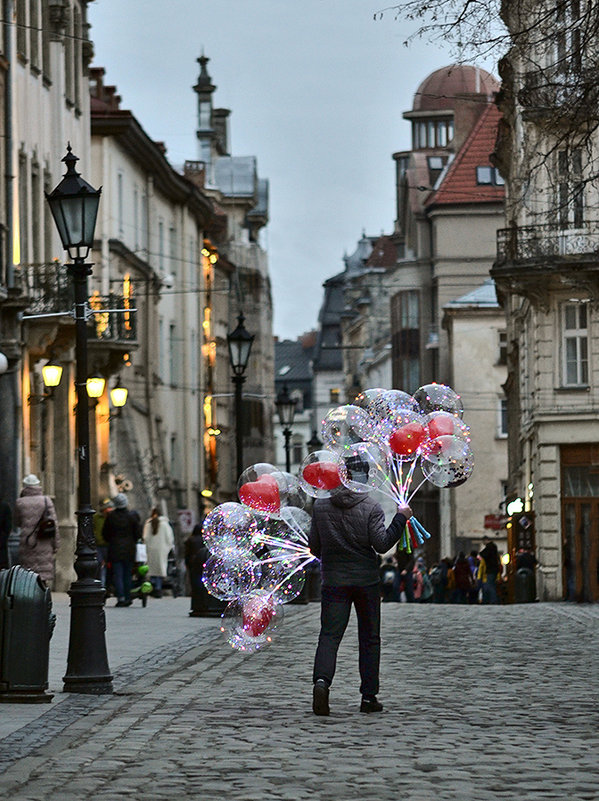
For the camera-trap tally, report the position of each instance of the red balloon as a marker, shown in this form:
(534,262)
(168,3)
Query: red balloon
(322,475)
(406,440)
(262,494)
(441,425)
(255,619)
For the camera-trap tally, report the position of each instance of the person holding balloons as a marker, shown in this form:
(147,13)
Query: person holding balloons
(346,534)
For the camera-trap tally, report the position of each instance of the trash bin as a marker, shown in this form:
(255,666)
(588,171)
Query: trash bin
(525,591)
(26,626)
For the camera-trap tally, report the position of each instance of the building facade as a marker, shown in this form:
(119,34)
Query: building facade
(546,272)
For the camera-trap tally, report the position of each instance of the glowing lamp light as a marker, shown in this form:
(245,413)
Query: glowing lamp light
(505,559)
(118,396)
(515,507)
(207,493)
(95,386)
(52,373)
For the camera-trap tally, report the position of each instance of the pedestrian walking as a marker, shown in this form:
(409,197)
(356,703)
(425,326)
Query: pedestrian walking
(492,569)
(347,534)
(5,529)
(38,538)
(196,554)
(121,531)
(160,540)
(404,581)
(463,580)
(101,544)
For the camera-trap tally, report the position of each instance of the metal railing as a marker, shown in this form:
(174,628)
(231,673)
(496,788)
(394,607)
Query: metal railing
(531,242)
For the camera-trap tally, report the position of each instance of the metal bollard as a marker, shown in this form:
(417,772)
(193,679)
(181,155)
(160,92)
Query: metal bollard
(525,586)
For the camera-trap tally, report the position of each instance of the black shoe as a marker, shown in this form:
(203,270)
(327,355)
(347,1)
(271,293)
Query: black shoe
(371,705)
(320,698)
(121,603)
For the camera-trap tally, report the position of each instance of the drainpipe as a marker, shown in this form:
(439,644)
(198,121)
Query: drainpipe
(8,141)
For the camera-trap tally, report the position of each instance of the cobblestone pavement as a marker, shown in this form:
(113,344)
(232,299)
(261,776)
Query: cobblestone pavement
(480,703)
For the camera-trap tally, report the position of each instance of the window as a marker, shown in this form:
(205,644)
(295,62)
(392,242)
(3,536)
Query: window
(405,339)
(568,41)
(161,245)
(136,217)
(570,189)
(34,35)
(334,395)
(502,337)
(488,176)
(297,450)
(575,344)
(435,163)
(432,133)
(502,419)
(22,29)
(172,235)
(120,204)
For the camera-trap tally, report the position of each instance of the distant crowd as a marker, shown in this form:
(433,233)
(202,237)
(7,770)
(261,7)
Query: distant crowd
(472,579)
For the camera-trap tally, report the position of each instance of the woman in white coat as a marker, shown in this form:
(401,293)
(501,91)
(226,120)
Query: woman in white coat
(160,540)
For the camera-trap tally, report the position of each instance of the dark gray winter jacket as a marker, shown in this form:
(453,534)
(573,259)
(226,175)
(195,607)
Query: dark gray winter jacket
(347,532)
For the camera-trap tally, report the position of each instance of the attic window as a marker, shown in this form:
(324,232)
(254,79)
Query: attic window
(285,369)
(488,176)
(435,163)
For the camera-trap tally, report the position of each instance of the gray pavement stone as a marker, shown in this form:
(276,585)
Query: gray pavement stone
(493,703)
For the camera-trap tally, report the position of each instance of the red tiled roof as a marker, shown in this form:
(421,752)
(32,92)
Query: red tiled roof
(459,184)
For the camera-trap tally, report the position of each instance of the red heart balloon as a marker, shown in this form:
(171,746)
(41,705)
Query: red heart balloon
(257,615)
(406,440)
(441,426)
(262,494)
(322,475)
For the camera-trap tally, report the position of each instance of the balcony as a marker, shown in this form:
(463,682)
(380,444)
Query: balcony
(558,92)
(49,290)
(531,243)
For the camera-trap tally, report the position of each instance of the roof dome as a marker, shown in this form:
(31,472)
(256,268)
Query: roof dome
(439,90)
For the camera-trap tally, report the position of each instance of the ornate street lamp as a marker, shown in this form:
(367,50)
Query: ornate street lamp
(74,207)
(286,410)
(239,342)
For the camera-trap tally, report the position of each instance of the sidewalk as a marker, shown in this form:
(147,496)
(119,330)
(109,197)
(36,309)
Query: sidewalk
(495,703)
(151,634)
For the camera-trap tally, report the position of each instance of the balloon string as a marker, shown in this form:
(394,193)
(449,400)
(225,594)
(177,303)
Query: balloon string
(409,478)
(416,490)
(293,572)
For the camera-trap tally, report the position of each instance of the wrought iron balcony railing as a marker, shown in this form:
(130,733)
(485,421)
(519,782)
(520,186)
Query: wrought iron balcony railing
(530,242)
(557,90)
(50,291)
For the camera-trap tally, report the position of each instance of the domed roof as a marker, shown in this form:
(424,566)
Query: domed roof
(440,89)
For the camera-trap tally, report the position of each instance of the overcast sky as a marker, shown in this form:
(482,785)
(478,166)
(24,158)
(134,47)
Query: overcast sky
(316,89)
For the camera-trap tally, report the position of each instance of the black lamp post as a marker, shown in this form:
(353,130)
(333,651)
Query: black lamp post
(74,206)
(286,409)
(240,344)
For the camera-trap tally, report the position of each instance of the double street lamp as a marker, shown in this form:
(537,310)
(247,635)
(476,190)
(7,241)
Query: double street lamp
(286,410)
(239,342)
(74,206)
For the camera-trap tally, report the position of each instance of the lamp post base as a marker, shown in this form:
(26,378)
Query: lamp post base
(87,664)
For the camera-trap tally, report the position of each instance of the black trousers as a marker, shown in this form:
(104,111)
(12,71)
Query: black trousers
(336,603)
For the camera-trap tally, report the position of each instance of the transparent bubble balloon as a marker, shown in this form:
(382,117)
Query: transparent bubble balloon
(440,424)
(227,527)
(297,522)
(384,409)
(319,474)
(407,435)
(364,399)
(345,426)
(233,575)
(264,488)
(438,398)
(249,623)
(283,575)
(451,465)
(296,495)
(364,467)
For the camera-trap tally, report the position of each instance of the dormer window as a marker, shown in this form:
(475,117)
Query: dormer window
(488,176)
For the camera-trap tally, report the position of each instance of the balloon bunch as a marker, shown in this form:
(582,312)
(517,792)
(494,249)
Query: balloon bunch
(377,442)
(259,549)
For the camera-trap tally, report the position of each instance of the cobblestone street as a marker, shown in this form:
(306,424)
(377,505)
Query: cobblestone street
(480,702)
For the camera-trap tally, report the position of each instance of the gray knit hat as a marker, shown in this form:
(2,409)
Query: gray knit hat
(120,501)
